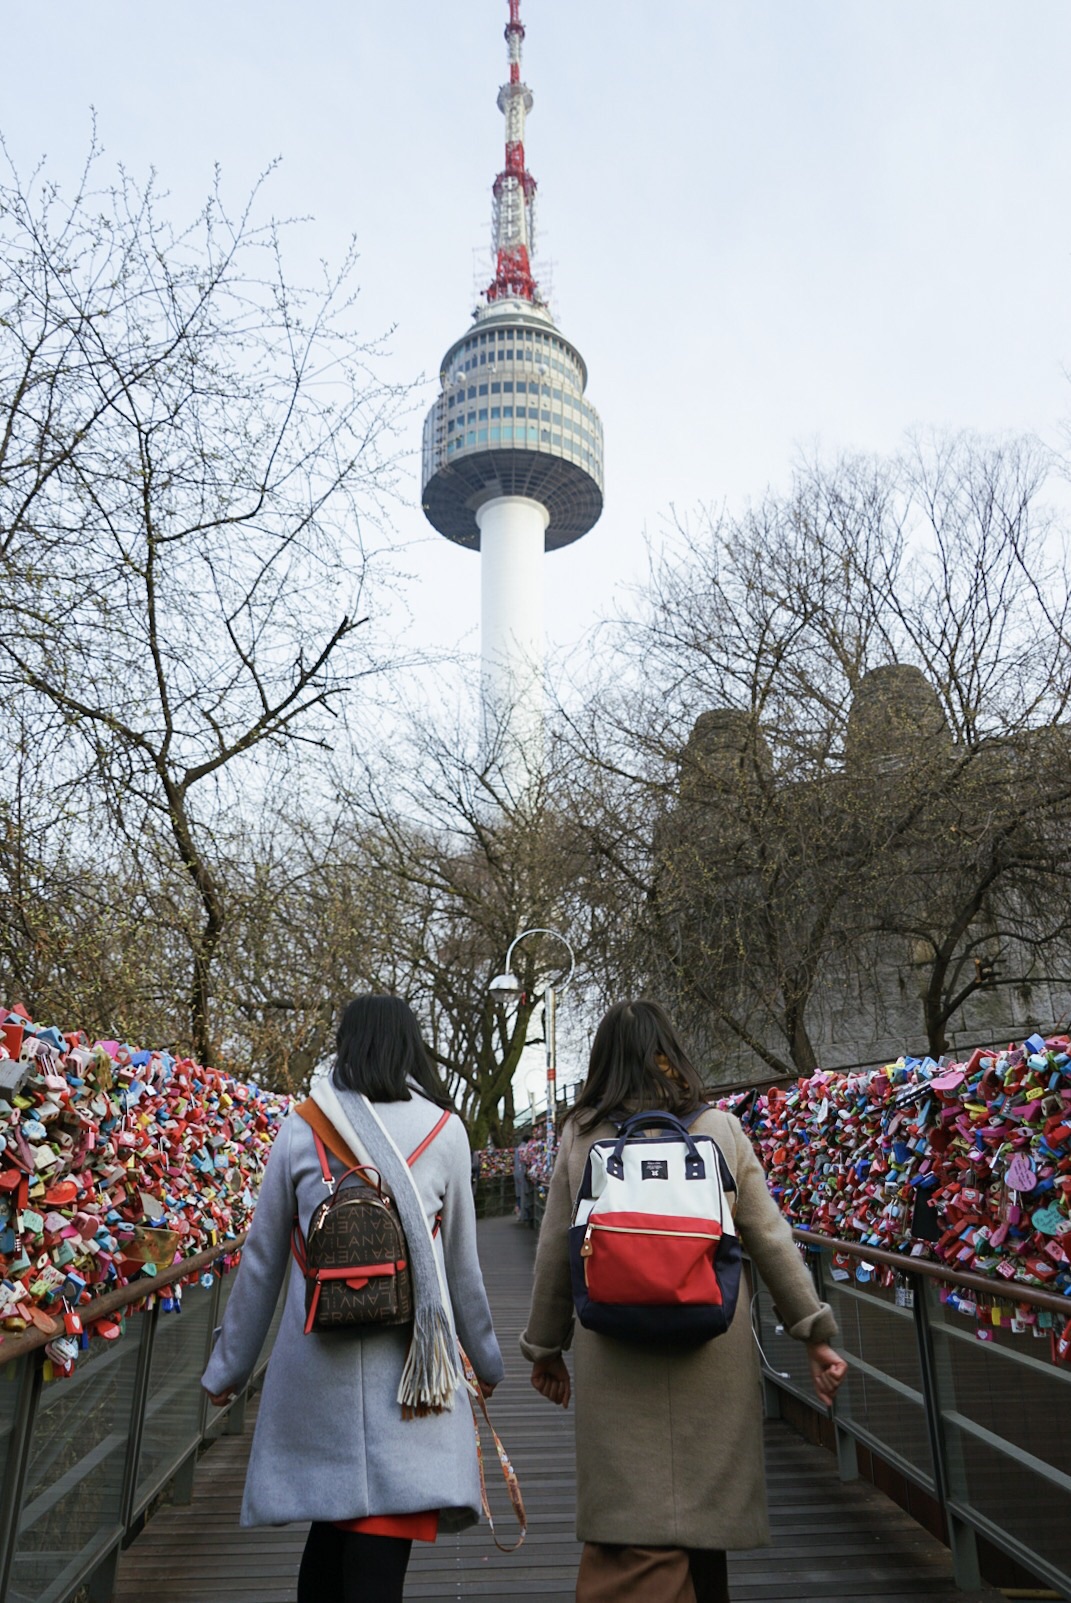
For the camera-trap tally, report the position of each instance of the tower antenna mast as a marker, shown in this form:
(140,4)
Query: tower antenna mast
(514,190)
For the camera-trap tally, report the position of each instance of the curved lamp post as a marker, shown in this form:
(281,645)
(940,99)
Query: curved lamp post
(507,986)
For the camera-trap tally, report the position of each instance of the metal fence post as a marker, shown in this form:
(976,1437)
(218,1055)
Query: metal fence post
(18,1460)
(213,1321)
(961,1536)
(136,1427)
(847,1452)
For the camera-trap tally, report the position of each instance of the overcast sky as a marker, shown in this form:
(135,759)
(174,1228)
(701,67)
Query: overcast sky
(771,224)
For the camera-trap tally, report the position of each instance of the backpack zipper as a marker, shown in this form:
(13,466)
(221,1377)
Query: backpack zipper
(586,1248)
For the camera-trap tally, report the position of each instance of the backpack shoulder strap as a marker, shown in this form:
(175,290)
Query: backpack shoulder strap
(326,1134)
(728,1179)
(688,1119)
(428,1139)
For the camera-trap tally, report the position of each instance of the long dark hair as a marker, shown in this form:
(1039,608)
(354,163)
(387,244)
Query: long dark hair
(378,1045)
(637,1062)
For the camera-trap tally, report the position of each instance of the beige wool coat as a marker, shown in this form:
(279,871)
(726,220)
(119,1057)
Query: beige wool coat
(669,1443)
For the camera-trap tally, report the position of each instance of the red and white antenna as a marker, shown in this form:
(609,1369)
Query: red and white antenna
(513,223)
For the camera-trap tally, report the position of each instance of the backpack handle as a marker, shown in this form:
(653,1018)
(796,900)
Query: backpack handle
(694,1166)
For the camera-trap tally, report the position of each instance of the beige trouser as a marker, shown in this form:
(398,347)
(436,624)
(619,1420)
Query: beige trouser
(651,1575)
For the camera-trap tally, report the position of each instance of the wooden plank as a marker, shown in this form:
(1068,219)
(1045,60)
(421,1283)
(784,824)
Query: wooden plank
(833,1543)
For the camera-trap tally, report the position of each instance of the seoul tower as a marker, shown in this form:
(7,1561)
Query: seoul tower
(512,451)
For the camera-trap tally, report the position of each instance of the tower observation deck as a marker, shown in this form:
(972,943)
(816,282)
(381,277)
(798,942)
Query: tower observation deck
(512,450)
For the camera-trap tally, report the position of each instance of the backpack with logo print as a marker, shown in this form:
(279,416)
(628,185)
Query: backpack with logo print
(653,1250)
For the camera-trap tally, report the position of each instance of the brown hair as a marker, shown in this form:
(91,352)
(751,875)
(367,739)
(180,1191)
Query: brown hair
(637,1062)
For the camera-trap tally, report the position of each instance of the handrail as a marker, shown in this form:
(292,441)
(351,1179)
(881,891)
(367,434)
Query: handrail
(110,1302)
(999,1289)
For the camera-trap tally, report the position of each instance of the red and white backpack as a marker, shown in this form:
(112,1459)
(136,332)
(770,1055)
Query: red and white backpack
(653,1249)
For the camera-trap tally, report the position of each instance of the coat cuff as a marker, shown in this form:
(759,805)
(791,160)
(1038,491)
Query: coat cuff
(536,1354)
(819,1326)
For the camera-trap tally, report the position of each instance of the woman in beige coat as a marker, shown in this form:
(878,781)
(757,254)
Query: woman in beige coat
(668,1441)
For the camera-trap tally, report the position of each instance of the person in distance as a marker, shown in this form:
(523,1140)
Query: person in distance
(668,1439)
(333,1442)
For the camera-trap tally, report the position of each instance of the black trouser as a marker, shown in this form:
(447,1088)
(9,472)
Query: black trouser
(349,1567)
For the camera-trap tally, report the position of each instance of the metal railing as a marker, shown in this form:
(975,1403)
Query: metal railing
(981,1425)
(86,1456)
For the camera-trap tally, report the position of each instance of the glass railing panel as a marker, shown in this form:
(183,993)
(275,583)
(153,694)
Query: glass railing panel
(887,1420)
(1014,1391)
(1007,1498)
(12,1378)
(1004,1409)
(881,1401)
(782,1353)
(173,1405)
(71,1501)
(875,1329)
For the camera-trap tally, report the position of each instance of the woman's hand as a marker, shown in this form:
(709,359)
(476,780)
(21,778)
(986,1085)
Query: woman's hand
(222,1400)
(828,1369)
(551,1379)
(487,1388)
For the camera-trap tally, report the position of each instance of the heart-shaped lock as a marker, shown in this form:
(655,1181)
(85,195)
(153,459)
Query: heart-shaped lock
(949,1081)
(1051,1221)
(1020,1175)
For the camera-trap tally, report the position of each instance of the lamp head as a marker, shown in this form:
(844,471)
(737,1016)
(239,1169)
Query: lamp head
(507,987)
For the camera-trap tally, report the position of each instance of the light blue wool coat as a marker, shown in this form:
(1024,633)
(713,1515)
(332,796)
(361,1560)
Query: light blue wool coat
(330,1442)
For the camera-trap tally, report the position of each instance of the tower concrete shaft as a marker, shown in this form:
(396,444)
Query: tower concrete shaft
(512,449)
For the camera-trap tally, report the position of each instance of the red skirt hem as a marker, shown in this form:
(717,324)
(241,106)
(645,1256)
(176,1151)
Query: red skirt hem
(422,1527)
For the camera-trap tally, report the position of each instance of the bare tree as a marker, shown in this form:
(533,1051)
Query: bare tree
(464,868)
(192,449)
(817,740)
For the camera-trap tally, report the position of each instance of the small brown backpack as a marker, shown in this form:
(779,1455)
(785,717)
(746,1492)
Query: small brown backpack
(355,1258)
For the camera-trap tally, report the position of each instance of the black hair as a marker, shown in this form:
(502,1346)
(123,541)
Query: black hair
(624,1071)
(378,1046)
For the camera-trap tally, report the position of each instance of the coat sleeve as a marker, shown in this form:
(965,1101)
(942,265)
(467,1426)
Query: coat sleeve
(259,1281)
(550,1320)
(766,1236)
(472,1313)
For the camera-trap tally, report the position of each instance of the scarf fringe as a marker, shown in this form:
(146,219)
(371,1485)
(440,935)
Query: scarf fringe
(431,1376)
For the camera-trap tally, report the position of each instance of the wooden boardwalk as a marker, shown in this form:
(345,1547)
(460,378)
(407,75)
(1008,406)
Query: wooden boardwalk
(832,1543)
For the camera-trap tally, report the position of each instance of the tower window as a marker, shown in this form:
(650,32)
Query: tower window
(507,411)
(483,414)
(496,411)
(496,388)
(483,359)
(483,389)
(481,436)
(472,392)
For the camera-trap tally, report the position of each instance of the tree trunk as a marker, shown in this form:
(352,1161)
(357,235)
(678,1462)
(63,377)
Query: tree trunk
(206,943)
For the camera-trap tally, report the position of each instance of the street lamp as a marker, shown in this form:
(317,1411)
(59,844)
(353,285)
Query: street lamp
(507,987)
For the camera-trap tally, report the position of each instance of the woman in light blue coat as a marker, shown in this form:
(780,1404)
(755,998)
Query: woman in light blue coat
(365,1432)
